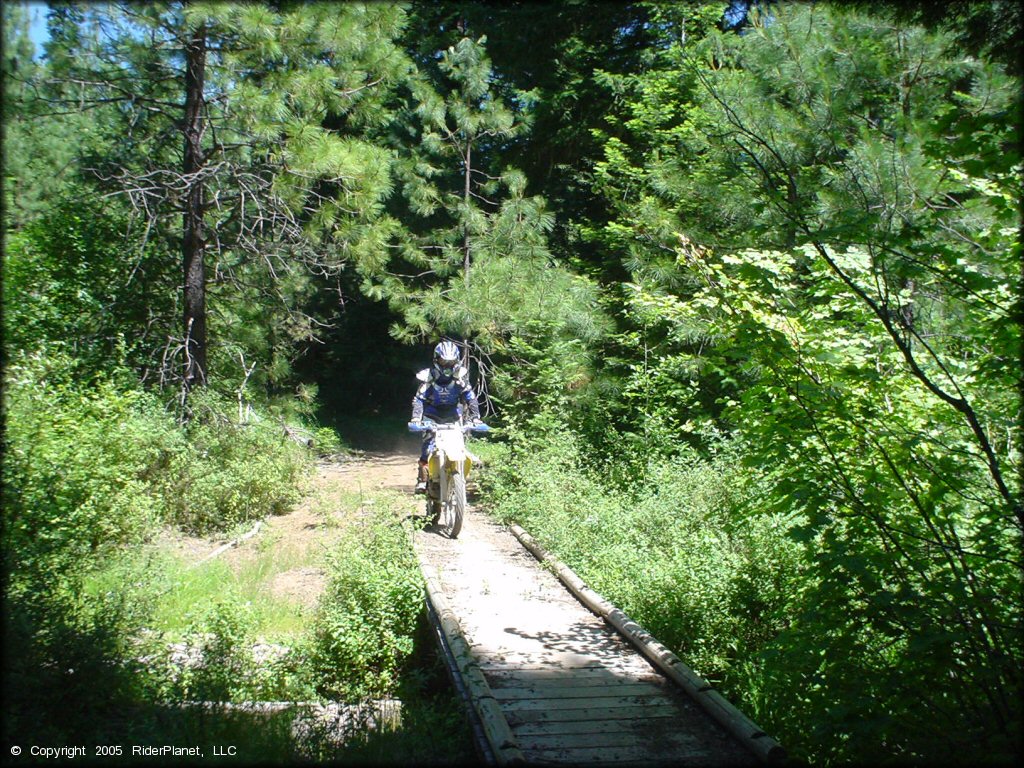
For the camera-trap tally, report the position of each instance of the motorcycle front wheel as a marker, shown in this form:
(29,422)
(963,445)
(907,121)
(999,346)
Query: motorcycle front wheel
(455,504)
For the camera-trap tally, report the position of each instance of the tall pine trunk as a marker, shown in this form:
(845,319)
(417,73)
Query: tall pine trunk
(194,238)
(466,198)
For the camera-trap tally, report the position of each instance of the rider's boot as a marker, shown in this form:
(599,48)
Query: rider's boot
(421,478)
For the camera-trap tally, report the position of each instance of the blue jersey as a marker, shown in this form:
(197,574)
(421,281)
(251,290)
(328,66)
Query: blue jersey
(443,402)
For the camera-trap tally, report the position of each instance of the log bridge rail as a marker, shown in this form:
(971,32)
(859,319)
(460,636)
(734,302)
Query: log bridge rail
(551,677)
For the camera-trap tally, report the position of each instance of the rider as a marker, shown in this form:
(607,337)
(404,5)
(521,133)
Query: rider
(445,387)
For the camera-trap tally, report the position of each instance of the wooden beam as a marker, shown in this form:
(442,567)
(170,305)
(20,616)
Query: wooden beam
(717,706)
(495,726)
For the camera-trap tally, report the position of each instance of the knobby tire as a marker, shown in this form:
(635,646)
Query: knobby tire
(456,503)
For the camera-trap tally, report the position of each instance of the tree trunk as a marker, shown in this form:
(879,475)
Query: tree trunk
(465,230)
(193,240)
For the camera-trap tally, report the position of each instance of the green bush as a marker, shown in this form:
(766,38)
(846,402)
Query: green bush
(81,468)
(364,631)
(326,442)
(90,471)
(98,467)
(225,666)
(229,473)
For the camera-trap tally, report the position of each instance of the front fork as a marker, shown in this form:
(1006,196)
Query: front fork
(433,487)
(437,486)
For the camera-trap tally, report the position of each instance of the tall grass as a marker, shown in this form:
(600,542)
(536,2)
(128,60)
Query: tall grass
(184,590)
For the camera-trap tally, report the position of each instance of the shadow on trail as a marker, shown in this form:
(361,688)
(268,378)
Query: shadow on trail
(378,436)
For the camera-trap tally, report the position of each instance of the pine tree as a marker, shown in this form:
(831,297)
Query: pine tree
(270,106)
(821,215)
(475,263)
(38,147)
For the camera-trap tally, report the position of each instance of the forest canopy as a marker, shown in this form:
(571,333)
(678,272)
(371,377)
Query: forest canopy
(745,276)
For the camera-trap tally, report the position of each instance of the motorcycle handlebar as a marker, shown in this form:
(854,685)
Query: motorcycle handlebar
(429,426)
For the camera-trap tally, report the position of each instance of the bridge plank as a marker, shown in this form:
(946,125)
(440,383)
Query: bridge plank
(635,739)
(557,676)
(630,754)
(605,702)
(534,663)
(634,736)
(516,716)
(588,727)
(578,690)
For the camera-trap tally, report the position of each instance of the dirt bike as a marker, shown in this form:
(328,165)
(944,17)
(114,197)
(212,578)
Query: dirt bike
(448,466)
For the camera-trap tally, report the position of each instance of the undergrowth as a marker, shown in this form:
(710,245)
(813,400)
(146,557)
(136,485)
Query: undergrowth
(364,632)
(102,643)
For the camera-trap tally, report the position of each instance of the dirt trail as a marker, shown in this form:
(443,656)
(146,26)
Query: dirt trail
(334,493)
(337,491)
(373,471)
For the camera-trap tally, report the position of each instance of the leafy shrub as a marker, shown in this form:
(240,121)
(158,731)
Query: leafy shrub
(229,473)
(326,442)
(98,467)
(81,467)
(364,631)
(90,469)
(223,664)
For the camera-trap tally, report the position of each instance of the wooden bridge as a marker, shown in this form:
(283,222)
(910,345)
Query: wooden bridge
(554,674)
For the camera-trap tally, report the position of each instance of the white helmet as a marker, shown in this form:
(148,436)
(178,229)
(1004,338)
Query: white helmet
(446,359)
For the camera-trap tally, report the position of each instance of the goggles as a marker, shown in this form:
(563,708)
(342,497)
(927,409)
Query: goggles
(447,367)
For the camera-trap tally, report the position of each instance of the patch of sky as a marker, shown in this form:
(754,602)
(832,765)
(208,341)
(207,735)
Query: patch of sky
(37,31)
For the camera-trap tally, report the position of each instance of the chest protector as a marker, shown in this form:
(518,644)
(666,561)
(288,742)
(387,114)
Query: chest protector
(445,395)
